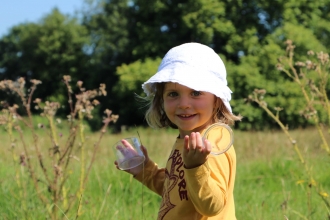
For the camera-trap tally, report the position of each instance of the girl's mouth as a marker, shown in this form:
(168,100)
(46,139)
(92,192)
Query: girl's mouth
(186,116)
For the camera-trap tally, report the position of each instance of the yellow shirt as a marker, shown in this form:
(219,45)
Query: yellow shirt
(201,193)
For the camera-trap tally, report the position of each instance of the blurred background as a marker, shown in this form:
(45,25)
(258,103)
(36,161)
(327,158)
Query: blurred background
(281,173)
(121,43)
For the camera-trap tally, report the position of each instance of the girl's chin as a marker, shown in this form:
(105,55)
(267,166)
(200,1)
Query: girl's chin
(188,131)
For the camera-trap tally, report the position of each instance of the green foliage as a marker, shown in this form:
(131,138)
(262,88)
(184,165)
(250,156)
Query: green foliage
(120,32)
(132,76)
(45,51)
(129,89)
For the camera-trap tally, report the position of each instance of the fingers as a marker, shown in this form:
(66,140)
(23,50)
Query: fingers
(207,146)
(128,151)
(145,153)
(186,143)
(199,142)
(194,142)
(127,144)
(194,153)
(116,164)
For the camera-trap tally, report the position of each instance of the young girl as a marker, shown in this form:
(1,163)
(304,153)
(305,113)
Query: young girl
(189,92)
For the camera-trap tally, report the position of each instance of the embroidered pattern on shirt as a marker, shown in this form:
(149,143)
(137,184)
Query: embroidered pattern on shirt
(174,176)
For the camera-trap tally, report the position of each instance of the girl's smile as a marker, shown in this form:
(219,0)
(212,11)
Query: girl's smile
(188,109)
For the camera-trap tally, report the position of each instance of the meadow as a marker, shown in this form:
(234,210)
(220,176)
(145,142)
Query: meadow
(270,182)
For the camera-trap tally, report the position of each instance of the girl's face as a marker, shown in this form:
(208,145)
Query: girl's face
(188,109)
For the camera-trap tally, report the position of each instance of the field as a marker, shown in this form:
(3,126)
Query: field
(270,184)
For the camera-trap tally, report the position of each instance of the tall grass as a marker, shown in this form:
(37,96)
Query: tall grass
(311,78)
(268,182)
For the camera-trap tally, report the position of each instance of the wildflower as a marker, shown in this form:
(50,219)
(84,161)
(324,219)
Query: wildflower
(301,64)
(312,183)
(21,82)
(95,102)
(22,160)
(323,57)
(310,52)
(3,120)
(278,109)
(310,65)
(57,170)
(67,78)
(35,81)
(279,67)
(79,83)
(108,112)
(114,118)
(260,91)
(290,46)
(102,89)
(37,100)
(324,194)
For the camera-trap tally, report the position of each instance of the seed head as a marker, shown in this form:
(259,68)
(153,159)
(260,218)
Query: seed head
(311,53)
(279,67)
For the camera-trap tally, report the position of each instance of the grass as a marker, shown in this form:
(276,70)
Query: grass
(267,182)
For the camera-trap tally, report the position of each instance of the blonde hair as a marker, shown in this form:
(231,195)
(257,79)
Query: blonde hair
(156,116)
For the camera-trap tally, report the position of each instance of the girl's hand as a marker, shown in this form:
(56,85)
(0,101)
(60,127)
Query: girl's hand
(130,150)
(194,152)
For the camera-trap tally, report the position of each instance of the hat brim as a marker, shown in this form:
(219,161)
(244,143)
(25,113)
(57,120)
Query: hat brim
(192,78)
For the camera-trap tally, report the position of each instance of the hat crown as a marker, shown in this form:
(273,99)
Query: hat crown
(197,56)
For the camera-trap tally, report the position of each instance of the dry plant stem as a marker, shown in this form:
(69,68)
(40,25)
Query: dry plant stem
(82,158)
(33,88)
(53,133)
(284,129)
(96,146)
(60,157)
(68,147)
(35,136)
(15,160)
(67,155)
(295,77)
(69,94)
(57,187)
(327,105)
(79,206)
(27,105)
(31,170)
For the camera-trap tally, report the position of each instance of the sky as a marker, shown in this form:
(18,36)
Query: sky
(15,12)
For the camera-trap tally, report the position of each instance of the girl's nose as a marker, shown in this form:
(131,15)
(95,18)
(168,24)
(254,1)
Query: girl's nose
(184,103)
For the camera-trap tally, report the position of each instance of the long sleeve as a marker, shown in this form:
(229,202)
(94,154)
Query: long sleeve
(210,186)
(152,177)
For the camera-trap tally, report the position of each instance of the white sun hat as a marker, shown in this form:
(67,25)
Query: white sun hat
(193,65)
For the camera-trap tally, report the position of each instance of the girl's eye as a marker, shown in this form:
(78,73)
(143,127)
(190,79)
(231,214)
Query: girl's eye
(172,94)
(196,93)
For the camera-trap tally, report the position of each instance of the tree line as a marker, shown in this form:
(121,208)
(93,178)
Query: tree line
(121,43)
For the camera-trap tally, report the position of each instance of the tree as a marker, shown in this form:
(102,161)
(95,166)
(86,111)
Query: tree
(126,35)
(250,49)
(46,51)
